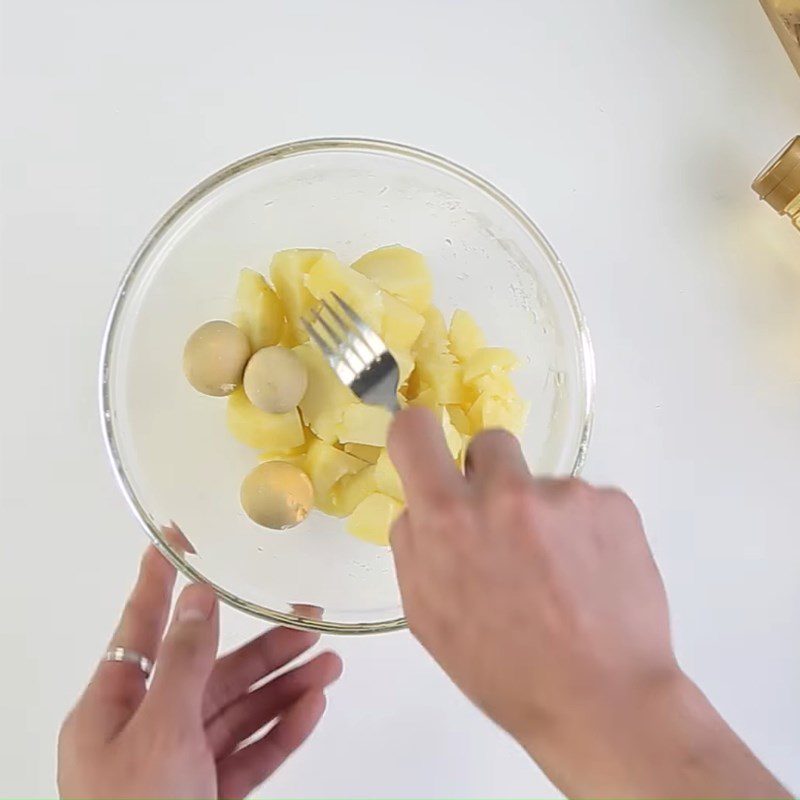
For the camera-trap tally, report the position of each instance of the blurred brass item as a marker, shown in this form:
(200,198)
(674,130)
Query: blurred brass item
(785,18)
(779,182)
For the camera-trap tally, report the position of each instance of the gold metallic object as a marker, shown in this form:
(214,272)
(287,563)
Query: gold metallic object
(779,182)
(785,18)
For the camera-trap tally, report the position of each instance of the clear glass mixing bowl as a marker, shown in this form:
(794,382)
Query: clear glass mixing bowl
(169,446)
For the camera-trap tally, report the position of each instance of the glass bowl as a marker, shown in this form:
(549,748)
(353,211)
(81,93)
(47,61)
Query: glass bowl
(173,457)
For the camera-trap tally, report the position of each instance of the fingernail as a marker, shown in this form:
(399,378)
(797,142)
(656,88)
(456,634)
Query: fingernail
(196,603)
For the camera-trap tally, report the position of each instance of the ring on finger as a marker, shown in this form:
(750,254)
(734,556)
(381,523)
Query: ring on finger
(124,655)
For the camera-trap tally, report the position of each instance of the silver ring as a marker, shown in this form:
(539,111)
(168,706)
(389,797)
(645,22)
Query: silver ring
(131,657)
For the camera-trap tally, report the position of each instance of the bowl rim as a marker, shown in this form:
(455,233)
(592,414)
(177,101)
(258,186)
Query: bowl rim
(200,191)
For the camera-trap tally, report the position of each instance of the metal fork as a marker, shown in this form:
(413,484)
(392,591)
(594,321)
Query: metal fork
(357,355)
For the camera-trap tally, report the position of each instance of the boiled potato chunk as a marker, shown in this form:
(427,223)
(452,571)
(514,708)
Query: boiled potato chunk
(489,360)
(288,272)
(387,478)
(256,428)
(365,452)
(372,518)
(350,490)
(325,465)
(490,411)
(294,455)
(444,375)
(259,312)
(401,272)
(459,419)
(451,435)
(405,364)
(401,328)
(436,367)
(498,383)
(326,397)
(465,336)
(401,324)
(432,339)
(364,424)
(426,398)
(328,275)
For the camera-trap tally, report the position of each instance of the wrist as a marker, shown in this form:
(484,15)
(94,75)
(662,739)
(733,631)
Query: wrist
(657,738)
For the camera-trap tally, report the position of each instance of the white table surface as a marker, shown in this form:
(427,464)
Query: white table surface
(630,131)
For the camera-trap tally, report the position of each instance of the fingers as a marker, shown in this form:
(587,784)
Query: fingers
(187,656)
(118,687)
(419,452)
(252,711)
(236,672)
(244,770)
(495,456)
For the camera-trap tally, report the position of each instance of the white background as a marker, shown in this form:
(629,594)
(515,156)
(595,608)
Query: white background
(630,131)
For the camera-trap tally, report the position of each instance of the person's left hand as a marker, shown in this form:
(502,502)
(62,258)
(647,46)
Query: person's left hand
(189,734)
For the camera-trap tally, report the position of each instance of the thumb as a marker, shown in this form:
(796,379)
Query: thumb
(187,654)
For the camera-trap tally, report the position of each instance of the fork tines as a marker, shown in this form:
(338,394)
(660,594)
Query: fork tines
(347,342)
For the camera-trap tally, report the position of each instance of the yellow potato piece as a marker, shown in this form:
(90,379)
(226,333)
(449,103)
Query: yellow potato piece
(401,272)
(498,383)
(426,398)
(325,465)
(490,411)
(287,272)
(432,339)
(326,397)
(488,360)
(401,324)
(328,275)
(372,518)
(387,478)
(451,435)
(444,375)
(364,424)
(350,490)
(413,385)
(256,428)
(294,455)
(259,312)
(459,419)
(365,452)
(405,364)
(465,336)
(436,367)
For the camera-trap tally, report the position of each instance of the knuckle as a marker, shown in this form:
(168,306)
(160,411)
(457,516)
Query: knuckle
(142,613)
(186,646)
(450,513)
(578,491)
(516,500)
(621,504)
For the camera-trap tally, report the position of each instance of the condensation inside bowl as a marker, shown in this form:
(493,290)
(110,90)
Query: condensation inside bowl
(174,447)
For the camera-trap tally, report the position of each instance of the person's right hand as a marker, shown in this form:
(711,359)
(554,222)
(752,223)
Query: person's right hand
(541,600)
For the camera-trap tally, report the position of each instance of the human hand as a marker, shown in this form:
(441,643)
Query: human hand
(182,737)
(541,600)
